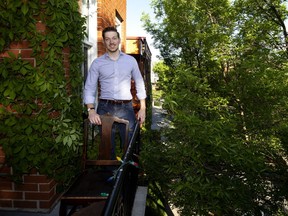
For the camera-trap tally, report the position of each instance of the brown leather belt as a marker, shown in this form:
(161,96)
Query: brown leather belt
(116,101)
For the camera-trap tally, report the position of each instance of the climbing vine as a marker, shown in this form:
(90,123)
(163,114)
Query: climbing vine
(40,102)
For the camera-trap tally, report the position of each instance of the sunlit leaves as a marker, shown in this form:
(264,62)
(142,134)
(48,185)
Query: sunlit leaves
(224,88)
(34,93)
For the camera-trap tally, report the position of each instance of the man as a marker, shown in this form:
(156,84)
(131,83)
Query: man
(114,71)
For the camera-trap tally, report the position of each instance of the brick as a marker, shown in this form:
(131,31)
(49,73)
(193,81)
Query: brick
(66,50)
(47,186)
(25,204)
(5,54)
(26,187)
(5,184)
(39,195)
(66,64)
(50,203)
(44,44)
(106,17)
(32,61)
(6,203)
(2,159)
(41,27)
(20,44)
(5,170)
(26,53)
(36,179)
(11,195)
(34,171)
(65,57)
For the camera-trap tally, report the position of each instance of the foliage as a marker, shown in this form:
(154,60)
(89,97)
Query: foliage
(224,81)
(41,110)
(152,162)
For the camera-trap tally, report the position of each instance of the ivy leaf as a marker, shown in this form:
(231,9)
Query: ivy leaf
(28,110)
(69,142)
(10,93)
(11,54)
(65,140)
(11,36)
(33,5)
(39,82)
(24,9)
(23,153)
(43,88)
(4,73)
(62,25)
(23,71)
(2,43)
(33,106)
(58,139)
(6,92)
(18,148)
(73,137)
(16,67)
(71,36)
(28,130)
(64,38)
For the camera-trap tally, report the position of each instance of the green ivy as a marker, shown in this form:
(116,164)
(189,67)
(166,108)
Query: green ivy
(40,107)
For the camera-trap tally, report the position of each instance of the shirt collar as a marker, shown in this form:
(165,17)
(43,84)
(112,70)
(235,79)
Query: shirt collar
(107,55)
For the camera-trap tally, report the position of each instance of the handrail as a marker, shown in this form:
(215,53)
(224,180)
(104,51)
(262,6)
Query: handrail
(113,197)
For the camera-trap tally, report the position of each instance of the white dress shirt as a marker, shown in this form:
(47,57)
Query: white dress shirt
(115,79)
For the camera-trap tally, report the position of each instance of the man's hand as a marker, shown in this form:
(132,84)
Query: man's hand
(141,115)
(94,118)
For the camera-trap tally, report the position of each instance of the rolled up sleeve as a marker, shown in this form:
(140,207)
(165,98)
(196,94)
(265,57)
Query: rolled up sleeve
(90,88)
(139,82)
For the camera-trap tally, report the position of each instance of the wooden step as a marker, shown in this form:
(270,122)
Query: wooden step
(91,210)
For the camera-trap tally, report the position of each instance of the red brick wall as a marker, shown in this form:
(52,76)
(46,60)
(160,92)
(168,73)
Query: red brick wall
(2,156)
(20,48)
(107,17)
(36,192)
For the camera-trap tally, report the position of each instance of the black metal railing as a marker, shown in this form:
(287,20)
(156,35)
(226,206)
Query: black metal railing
(120,200)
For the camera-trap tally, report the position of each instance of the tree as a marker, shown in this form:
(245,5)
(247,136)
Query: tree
(226,90)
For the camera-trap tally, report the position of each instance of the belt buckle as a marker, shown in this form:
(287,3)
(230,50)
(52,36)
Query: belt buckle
(117,102)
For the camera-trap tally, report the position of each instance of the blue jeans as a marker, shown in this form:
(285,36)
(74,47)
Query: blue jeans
(124,111)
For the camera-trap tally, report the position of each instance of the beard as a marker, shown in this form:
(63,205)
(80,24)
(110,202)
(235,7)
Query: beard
(113,48)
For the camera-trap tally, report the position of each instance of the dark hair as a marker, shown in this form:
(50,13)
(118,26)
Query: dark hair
(108,29)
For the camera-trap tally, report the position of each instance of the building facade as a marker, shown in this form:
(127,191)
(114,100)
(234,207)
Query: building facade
(37,193)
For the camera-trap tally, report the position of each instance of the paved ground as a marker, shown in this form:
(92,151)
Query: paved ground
(54,212)
(158,118)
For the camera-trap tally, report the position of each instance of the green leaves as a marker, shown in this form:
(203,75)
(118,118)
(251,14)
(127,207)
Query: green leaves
(70,135)
(10,93)
(33,91)
(222,81)
(25,8)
